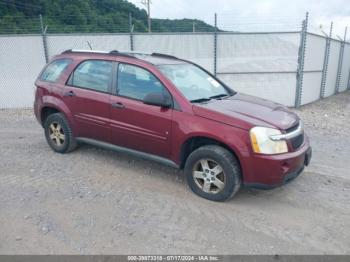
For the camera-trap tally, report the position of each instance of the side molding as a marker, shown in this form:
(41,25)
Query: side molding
(129,151)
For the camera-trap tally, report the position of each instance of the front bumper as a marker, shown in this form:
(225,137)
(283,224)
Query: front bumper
(270,171)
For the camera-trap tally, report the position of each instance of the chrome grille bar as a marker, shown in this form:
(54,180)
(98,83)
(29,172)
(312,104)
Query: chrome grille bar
(290,135)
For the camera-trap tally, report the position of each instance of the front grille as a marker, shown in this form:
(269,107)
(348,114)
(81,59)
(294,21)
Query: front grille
(297,141)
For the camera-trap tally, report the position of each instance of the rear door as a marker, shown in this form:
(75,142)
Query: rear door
(135,125)
(87,94)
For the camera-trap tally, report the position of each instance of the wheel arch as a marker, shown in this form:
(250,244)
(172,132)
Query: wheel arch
(194,142)
(46,111)
(54,105)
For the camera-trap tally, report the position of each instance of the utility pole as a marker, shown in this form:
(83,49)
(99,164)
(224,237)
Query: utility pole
(147,3)
(193,26)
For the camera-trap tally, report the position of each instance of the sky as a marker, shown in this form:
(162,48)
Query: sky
(258,15)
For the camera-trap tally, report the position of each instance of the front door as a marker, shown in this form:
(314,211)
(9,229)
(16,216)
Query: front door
(135,125)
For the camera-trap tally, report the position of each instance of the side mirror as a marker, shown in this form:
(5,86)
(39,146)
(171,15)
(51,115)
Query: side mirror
(157,99)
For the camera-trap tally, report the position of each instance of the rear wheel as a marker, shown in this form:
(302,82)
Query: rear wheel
(213,172)
(58,134)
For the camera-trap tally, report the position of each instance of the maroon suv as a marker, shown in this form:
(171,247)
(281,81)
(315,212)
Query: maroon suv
(173,111)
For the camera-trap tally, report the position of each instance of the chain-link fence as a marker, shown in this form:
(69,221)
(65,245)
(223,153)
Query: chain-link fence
(291,67)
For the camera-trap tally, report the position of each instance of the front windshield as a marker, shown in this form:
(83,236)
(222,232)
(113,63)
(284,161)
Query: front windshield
(194,83)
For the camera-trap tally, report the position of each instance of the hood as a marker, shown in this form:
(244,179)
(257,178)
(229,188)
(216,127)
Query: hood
(246,111)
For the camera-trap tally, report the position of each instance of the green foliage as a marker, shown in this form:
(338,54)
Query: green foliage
(66,16)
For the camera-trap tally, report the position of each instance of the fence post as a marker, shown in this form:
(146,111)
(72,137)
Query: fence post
(325,62)
(43,34)
(301,56)
(340,62)
(215,43)
(131,30)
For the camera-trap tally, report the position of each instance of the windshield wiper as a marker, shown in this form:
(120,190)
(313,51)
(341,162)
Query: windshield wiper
(200,100)
(219,96)
(206,99)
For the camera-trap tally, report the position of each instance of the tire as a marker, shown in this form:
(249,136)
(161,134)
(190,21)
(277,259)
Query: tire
(61,141)
(216,158)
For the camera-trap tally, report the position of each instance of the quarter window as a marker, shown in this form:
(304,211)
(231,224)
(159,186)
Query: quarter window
(53,71)
(92,74)
(135,82)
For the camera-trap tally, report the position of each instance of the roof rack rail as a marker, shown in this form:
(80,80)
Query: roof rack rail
(66,51)
(133,52)
(116,52)
(164,55)
(113,52)
(130,54)
(84,51)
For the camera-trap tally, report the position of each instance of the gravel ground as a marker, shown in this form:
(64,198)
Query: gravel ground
(94,201)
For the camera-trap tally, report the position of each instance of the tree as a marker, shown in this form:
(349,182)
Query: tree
(65,16)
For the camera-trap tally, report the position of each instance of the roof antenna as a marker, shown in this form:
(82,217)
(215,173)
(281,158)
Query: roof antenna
(89,45)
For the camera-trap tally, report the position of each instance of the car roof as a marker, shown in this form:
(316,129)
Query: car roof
(152,58)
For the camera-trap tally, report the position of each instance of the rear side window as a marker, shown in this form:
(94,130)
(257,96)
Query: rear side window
(53,71)
(92,74)
(135,82)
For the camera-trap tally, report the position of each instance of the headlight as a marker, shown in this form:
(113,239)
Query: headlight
(261,142)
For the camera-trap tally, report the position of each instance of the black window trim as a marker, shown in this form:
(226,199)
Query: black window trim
(109,89)
(115,90)
(70,60)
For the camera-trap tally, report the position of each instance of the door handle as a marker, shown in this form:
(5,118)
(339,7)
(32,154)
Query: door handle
(118,105)
(70,93)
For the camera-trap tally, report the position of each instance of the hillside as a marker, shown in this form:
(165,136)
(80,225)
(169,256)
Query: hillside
(65,16)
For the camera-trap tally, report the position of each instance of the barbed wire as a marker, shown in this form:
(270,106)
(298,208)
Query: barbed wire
(33,26)
(92,24)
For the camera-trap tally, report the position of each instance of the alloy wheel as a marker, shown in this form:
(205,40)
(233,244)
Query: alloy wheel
(209,176)
(56,134)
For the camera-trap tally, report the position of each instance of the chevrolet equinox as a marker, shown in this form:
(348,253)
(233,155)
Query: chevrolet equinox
(173,111)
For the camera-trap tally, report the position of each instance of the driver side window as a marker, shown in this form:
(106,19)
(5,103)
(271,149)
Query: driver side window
(135,82)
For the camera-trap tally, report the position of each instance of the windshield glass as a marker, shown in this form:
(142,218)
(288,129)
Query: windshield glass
(194,83)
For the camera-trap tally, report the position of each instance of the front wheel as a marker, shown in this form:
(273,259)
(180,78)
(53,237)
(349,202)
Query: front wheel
(213,172)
